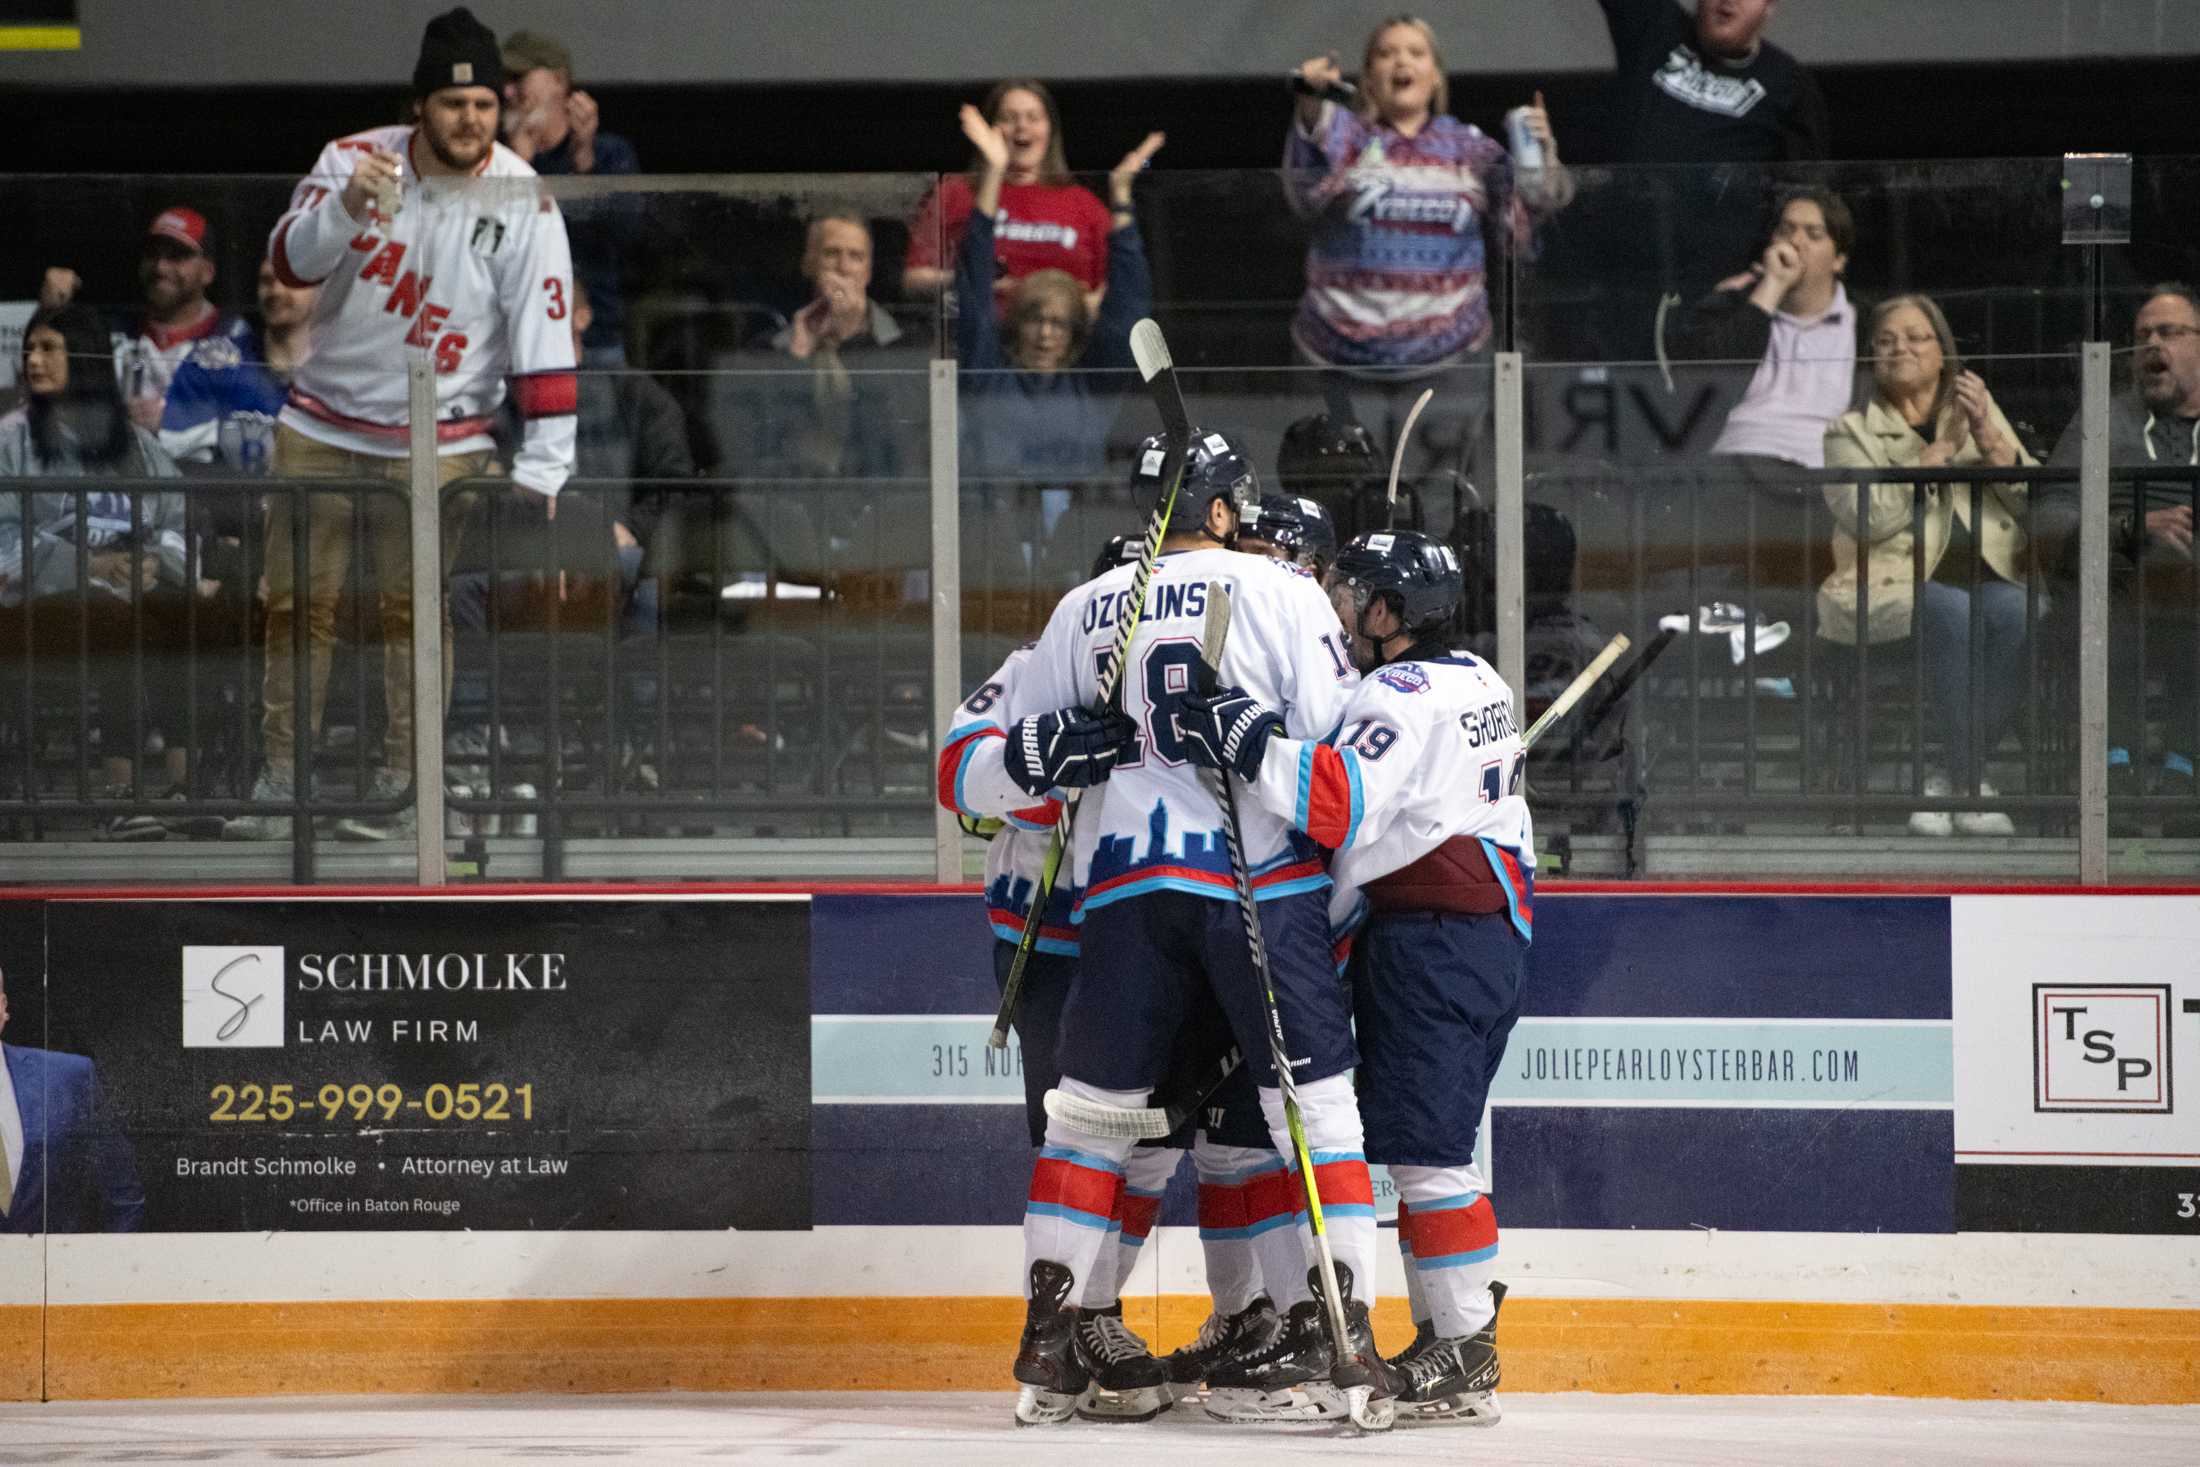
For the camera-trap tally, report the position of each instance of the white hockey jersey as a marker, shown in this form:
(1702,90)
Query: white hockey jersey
(1429,750)
(476,271)
(1153,825)
(974,782)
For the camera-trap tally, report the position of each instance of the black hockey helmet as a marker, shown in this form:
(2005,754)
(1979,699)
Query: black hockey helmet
(1417,574)
(1120,550)
(1217,467)
(1320,452)
(1299,527)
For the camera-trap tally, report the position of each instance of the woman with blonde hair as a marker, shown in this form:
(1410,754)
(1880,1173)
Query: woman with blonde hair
(1924,410)
(1411,210)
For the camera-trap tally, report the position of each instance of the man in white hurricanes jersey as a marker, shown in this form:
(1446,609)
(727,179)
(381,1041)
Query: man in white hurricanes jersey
(1158,899)
(429,237)
(1418,793)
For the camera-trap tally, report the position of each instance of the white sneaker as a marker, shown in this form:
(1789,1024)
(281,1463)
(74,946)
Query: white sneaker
(1934,822)
(1985,822)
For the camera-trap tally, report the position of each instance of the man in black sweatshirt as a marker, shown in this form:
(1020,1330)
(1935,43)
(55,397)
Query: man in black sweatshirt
(1711,89)
(1706,92)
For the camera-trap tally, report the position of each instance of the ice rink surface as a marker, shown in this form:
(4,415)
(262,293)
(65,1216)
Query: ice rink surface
(914,1430)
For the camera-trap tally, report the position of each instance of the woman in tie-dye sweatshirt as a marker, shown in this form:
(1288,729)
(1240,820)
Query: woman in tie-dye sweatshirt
(1409,206)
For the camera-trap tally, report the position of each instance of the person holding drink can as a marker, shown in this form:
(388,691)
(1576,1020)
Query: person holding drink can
(1409,206)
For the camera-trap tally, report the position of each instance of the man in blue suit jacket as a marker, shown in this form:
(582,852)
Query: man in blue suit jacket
(64,1168)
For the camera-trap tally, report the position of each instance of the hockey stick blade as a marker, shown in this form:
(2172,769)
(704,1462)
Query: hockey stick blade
(1584,681)
(1398,452)
(1151,351)
(1121,1123)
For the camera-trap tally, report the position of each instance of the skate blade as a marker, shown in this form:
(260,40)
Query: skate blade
(1317,1400)
(1036,1406)
(1468,1408)
(1143,1404)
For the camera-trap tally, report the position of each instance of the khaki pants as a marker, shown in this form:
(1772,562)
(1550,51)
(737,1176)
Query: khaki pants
(329,548)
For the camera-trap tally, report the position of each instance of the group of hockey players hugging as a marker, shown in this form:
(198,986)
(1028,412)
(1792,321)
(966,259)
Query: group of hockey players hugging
(1389,852)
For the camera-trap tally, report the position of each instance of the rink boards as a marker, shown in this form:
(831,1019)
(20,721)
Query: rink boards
(1750,1141)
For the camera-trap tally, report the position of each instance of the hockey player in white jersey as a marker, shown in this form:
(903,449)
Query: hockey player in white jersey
(1418,794)
(1245,1212)
(1158,899)
(429,237)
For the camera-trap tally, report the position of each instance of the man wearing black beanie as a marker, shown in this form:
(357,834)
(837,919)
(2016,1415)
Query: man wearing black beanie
(429,239)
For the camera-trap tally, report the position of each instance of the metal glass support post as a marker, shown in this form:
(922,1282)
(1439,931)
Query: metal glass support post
(946,491)
(1511,510)
(427,620)
(2093,617)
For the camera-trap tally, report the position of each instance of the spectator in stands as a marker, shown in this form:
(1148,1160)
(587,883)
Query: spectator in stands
(1035,408)
(497,325)
(222,402)
(555,127)
(1924,411)
(1704,90)
(2151,609)
(74,425)
(836,426)
(1790,314)
(175,270)
(1044,221)
(1411,209)
(1748,520)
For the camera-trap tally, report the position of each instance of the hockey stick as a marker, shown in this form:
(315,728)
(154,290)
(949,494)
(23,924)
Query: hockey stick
(1357,1394)
(1398,451)
(1152,1122)
(1581,684)
(1155,365)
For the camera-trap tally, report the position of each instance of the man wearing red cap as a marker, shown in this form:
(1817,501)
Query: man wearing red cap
(175,270)
(431,238)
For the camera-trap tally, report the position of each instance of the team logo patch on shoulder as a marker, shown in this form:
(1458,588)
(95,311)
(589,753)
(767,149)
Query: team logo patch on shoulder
(1293,568)
(217,354)
(1405,677)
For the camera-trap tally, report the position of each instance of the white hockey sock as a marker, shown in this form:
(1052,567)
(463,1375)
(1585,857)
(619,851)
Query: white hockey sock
(1446,1216)
(1145,1177)
(1331,1115)
(1075,1206)
(1245,1217)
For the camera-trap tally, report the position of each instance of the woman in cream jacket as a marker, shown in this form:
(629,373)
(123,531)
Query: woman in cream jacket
(1925,411)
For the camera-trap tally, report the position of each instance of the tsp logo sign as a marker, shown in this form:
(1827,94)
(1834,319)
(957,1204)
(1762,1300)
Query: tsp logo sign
(232,998)
(2101,1047)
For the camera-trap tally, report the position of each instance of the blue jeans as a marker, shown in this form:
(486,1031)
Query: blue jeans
(1944,620)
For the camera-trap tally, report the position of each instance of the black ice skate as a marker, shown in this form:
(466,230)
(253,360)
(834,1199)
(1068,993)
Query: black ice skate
(1424,1335)
(1053,1376)
(1454,1379)
(1128,1383)
(1222,1338)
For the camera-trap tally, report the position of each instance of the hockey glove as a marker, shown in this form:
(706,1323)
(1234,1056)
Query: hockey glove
(1069,748)
(1228,729)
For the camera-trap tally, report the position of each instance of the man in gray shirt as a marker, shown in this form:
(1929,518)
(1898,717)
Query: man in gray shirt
(2151,603)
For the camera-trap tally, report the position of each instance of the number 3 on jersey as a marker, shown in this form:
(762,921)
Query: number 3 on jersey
(1168,674)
